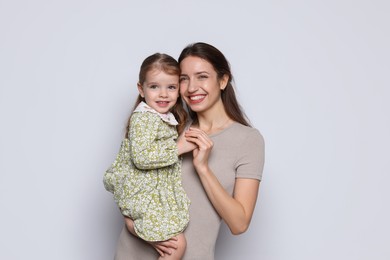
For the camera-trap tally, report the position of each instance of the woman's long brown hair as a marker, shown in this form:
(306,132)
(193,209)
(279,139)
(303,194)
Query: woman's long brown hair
(221,66)
(170,66)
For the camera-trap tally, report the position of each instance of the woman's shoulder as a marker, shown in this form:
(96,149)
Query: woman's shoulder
(238,130)
(238,137)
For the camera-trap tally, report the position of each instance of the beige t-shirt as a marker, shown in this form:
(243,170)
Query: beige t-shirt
(238,152)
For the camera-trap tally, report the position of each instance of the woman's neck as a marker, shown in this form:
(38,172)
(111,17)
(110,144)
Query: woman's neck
(213,121)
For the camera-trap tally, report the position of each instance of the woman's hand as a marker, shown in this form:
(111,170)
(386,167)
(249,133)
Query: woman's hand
(165,247)
(202,151)
(162,247)
(130,226)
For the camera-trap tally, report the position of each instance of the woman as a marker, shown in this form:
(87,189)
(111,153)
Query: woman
(222,174)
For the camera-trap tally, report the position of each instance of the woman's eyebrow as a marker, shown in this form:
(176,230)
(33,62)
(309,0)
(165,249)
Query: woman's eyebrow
(201,72)
(196,73)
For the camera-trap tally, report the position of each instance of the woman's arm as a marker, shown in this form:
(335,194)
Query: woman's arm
(236,210)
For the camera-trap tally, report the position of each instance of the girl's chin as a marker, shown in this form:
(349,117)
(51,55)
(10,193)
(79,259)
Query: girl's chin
(161,110)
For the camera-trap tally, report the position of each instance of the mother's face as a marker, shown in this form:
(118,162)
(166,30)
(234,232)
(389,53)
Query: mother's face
(199,84)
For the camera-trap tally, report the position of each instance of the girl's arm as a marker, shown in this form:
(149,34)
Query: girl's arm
(148,151)
(236,210)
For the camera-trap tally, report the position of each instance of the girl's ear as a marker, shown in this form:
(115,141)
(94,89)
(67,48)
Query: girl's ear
(140,90)
(223,82)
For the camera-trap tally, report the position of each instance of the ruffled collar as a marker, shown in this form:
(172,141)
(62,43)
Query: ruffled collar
(168,117)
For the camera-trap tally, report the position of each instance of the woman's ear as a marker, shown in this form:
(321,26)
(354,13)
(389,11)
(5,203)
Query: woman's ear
(140,90)
(223,82)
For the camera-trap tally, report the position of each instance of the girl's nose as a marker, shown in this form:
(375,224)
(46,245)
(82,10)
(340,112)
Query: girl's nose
(163,92)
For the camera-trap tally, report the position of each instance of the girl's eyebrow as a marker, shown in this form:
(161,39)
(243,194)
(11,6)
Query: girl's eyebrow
(152,83)
(156,83)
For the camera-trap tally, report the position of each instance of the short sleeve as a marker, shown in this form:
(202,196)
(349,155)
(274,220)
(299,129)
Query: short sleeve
(250,161)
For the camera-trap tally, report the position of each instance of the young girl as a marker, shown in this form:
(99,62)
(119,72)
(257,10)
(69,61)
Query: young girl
(145,178)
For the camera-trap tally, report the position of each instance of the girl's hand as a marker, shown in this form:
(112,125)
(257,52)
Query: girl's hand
(183,146)
(204,146)
(162,247)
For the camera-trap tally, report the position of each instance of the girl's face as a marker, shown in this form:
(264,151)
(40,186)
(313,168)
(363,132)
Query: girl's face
(199,84)
(160,90)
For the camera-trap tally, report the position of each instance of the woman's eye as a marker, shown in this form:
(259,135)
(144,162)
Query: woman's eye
(203,76)
(183,78)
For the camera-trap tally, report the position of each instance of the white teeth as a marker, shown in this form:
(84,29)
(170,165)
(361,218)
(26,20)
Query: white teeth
(196,97)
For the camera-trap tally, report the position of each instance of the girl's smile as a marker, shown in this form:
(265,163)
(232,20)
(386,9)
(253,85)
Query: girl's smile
(160,90)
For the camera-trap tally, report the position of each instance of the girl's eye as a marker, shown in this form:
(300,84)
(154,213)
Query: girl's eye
(153,86)
(172,87)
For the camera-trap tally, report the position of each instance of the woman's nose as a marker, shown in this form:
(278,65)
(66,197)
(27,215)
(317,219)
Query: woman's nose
(192,86)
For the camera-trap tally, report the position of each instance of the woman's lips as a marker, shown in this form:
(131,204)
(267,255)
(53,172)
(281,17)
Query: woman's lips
(196,99)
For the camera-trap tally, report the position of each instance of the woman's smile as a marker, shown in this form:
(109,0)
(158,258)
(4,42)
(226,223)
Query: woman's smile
(199,84)
(194,99)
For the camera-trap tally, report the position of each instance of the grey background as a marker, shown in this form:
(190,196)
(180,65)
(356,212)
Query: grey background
(313,77)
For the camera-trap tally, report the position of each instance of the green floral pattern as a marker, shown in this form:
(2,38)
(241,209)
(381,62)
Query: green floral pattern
(145,179)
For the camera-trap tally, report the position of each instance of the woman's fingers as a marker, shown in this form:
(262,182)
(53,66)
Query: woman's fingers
(161,253)
(169,244)
(161,250)
(205,145)
(165,247)
(199,137)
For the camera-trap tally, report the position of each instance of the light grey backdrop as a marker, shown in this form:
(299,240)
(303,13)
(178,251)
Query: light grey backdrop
(313,76)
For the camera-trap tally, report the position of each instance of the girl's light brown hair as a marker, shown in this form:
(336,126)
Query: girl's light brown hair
(169,65)
(221,66)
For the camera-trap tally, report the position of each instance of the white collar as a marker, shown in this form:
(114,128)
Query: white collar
(168,117)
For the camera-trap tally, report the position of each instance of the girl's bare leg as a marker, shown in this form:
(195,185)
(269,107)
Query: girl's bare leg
(177,253)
